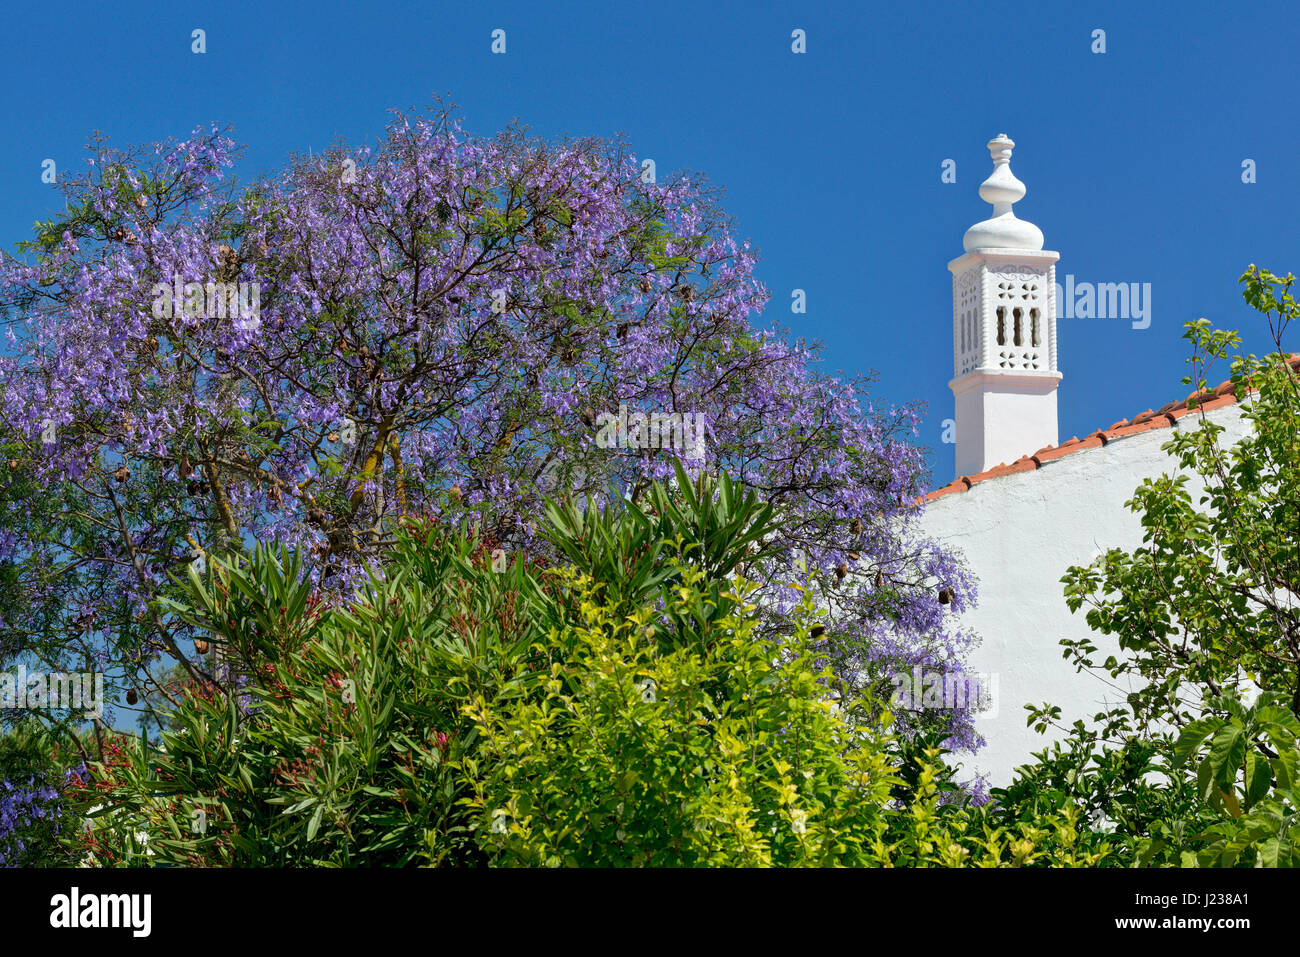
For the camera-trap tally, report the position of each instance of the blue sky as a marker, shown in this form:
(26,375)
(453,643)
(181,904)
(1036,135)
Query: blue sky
(831,159)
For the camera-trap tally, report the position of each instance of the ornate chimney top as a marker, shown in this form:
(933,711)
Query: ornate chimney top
(1002,189)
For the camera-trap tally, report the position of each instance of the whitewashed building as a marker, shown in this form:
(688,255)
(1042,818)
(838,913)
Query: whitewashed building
(1025,506)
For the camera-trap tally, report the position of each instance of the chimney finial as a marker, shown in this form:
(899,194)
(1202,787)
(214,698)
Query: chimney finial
(1003,230)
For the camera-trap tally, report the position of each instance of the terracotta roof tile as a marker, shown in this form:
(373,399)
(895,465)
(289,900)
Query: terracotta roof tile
(957,485)
(1137,428)
(1051,455)
(1020,465)
(1222,395)
(1218,402)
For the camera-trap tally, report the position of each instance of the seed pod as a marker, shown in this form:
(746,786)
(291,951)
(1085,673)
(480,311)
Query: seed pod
(333,437)
(644,284)
(880,579)
(13,463)
(141,201)
(122,474)
(200,646)
(855,527)
(316,516)
(588,417)
(132,697)
(840,571)
(945,596)
(854,556)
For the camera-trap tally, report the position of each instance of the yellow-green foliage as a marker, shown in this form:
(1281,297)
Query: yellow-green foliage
(720,750)
(927,834)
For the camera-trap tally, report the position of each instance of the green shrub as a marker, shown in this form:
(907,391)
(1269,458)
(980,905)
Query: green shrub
(630,708)
(34,774)
(1204,611)
(719,748)
(342,750)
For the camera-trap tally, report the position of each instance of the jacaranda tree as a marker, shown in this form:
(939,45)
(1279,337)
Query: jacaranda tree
(435,325)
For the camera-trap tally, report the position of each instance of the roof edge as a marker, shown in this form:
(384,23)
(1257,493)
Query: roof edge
(1205,400)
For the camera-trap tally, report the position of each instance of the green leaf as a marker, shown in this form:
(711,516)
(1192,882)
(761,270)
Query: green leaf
(1192,737)
(314,824)
(1259,777)
(1227,754)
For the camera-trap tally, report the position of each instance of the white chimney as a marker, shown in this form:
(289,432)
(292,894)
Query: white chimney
(1004,330)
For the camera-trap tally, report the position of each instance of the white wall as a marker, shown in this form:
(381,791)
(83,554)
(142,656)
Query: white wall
(1019,534)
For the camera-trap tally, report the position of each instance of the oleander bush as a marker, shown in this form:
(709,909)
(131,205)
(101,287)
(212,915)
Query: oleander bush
(342,742)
